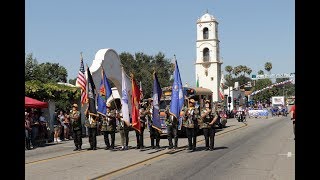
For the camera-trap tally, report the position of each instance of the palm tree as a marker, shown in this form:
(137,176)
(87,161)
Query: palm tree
(260,72)
(268,67)
(248,71)
(228,69)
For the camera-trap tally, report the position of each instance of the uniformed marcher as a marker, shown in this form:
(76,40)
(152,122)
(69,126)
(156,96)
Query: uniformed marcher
(154,133)
(172,130)
(91,124)
(208,117)
(191,124)
(123,128)
(139,135)
(75,118)
(109,127)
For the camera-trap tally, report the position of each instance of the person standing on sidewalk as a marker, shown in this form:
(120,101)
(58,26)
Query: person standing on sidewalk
(27,126)
(75,118)
(191,125)
(293,118)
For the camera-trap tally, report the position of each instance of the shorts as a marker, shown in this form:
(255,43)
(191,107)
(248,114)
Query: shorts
(56,127)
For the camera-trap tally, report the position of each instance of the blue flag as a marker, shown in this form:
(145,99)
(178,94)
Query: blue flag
(157,93)
(177,95)
(104,93)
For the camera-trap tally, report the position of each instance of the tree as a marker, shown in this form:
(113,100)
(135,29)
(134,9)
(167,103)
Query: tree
(143,65)
(229,69)
(73,81)
(260,72)
(268,66)
(30,65)
(51,72)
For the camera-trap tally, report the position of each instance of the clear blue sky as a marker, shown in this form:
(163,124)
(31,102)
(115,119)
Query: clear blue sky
(251,32)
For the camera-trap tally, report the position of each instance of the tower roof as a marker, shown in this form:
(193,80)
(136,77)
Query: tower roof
(207,17)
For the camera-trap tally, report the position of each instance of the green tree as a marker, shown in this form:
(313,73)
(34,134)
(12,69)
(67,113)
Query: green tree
(51,72)
(228,69)
(268,67)
(30,65)
(260,72)
(73,81)
(142,66)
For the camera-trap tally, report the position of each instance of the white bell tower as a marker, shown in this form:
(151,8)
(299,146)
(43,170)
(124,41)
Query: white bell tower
(208,64)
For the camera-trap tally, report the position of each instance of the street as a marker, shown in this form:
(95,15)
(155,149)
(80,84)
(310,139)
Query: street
(258,149)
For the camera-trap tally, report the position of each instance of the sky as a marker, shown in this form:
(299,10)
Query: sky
(251,32)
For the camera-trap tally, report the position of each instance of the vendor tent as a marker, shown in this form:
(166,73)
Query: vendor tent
(33,103)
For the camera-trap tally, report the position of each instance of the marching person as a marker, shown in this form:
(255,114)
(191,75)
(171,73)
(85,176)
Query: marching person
(154,133)
(139,136)
(109,127)
(191,124)
(123,130)
(208,117)
(172,130)
(75,118)
(91,124)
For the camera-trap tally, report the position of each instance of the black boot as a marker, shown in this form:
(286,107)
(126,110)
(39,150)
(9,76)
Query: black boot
(152,143)
(79,148)
(76,149)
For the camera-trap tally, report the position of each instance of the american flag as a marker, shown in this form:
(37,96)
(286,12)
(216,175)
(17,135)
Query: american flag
(81,81)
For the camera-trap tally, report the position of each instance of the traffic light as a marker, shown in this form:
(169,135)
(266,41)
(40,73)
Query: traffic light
(229,99)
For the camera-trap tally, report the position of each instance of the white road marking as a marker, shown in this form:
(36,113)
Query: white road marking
(289,154)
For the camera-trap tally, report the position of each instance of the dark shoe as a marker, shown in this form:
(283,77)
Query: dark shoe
(76,149)
(189,148)
(194,149)
(157,147)
(79,148)
(106,148)
(211,149)
(90,148)
(94,148)
(138,147)
(170,147)
(152,147)
(207,149)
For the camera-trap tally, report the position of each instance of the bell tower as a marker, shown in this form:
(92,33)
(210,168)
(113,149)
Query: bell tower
(208,64)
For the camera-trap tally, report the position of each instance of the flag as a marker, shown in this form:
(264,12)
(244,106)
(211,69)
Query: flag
(135,99)
(91,95)
(104,93)
(141,92)
(221,87)
(197,81)
(157,93)
(81,81)
(177,95)
(125,100)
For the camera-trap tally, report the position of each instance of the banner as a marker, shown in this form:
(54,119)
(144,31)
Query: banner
(157,93)
(135,99)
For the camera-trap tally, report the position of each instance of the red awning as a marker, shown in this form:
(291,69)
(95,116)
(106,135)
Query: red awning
(33,103)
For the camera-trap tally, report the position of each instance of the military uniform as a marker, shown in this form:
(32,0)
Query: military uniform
(208,130)
(139,136)
(172,130)
(154,133)
(124,132)
(75,117)
(109,127)
(91,124)
(191,125)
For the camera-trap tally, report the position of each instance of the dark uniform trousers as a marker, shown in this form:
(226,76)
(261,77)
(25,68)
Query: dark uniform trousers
(209,134)
(192,137)
(139,137)
(77,138)
(92,137)
(172,132)
(154,136)
(106,138)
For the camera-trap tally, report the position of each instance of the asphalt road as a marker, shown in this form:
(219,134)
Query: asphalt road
(260,149)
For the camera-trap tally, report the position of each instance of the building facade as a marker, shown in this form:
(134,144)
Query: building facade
(208,62)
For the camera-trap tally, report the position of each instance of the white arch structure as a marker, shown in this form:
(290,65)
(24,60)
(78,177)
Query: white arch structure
(110,61)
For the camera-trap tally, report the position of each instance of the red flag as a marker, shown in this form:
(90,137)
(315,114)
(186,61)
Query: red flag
(135,99)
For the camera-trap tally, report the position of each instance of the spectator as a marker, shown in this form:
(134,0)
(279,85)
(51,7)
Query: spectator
(293,118)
